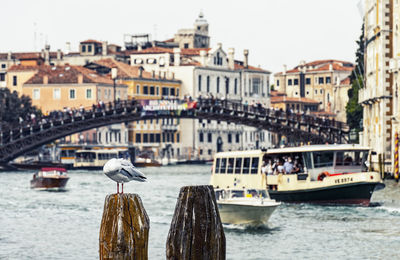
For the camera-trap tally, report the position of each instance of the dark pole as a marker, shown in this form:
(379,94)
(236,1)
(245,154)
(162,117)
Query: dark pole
(114,91)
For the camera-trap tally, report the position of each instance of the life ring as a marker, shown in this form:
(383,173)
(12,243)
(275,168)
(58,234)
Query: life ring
(322,175)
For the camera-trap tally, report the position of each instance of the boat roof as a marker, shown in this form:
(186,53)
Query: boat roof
(50,169)
(305,148)
(100,150)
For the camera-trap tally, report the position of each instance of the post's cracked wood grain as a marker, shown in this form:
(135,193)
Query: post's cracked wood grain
(124,230)
(196,230)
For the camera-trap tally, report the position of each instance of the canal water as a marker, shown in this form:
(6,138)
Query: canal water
(65,225)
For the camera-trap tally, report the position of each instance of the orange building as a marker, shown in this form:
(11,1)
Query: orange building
(71,87)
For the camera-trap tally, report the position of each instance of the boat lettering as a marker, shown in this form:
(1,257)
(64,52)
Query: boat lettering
(343,180)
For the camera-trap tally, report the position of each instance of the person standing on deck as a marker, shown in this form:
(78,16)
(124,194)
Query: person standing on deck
(288,166)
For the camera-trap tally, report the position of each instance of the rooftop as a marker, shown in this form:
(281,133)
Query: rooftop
(65,75)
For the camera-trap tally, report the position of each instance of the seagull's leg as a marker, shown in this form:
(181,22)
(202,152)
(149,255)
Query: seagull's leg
(117,187)
(122,188)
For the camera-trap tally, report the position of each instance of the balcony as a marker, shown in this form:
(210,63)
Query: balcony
(169,127)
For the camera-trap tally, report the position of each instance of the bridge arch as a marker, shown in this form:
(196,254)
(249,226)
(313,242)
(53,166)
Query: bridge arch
(18,140)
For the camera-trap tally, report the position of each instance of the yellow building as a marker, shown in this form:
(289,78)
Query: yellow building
(155,137)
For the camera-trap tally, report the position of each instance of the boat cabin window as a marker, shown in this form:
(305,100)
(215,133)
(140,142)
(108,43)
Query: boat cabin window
(323,159)
(237,193)
(283,163)
(254,165)
(223,165)
(67,153)
(238,165)
(218,194)
(346,161)
(246,166)
(217,166)
(85,156)
(230,165)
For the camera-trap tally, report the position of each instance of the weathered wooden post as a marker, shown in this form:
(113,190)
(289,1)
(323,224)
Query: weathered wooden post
(196,230)
(124,230)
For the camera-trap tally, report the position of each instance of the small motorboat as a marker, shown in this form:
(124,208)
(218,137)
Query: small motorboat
(146,162)
(50,178)
(245,206)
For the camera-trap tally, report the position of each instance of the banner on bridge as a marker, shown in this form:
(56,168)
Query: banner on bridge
(157,105)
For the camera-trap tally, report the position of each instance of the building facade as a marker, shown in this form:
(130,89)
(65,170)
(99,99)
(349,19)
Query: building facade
(380,97)
(377,95)
(157,138)
(212,72)
(318,80)
(71,88)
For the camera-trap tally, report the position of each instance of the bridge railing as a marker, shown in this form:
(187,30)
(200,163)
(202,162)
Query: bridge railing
(274,114)
(217,109)
(13,131)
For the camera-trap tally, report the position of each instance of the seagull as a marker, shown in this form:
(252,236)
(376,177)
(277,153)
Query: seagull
(121,170)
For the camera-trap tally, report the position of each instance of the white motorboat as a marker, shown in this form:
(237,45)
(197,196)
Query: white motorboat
(245,206)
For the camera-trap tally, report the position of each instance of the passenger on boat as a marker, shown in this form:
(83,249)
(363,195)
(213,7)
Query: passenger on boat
(280,169)
(270,167)
(264,168)
(288,166)
(297,167)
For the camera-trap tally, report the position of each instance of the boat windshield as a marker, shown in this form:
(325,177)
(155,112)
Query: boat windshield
(257,193)
(249,193)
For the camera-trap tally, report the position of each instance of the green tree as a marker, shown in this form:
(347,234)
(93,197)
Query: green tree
(13,107)
(354,111)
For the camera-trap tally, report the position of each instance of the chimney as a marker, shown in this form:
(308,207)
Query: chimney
(330,67)
(9,56)
(104,48)
(284,69)
(177,56)
(67,48)
(42,54)
(80,78)
(47,54)
(140,71)
(203,57)
(246,58)
(45,80)
(139,47)
(219,45)
(231,58)
(58,54)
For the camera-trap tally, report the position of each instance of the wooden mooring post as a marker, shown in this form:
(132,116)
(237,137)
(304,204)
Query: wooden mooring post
(124,230)
(196,230)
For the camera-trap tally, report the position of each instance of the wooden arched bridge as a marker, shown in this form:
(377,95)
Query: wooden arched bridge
(18,139)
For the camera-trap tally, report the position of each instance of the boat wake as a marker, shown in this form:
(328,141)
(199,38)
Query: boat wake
(249,228)
(393,210)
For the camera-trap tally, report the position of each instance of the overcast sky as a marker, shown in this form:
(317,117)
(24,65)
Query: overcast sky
(276,32)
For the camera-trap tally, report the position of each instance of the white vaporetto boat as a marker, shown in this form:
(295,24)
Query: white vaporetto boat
(245,207)
(320,174)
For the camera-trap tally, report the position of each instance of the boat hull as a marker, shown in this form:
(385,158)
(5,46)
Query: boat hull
(245,214)
(349,194)
(49,183)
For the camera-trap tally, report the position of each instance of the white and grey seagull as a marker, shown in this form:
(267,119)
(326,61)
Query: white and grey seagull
(121,171)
